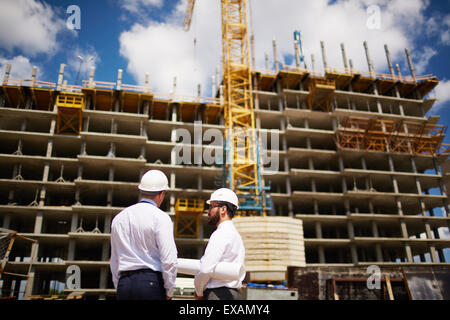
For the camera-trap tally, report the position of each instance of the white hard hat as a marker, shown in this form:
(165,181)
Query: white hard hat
(154,181)
(226,195)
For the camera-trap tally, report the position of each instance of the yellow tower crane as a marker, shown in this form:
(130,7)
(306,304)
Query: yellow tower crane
(242,172)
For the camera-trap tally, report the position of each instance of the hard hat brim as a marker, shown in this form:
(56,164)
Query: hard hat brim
(209,202)
(153,190)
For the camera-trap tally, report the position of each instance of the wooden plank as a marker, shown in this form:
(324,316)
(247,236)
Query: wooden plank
(389,287)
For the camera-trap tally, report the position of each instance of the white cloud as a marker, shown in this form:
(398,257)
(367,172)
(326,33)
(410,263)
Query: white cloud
(30,26)
(135,6)
(163,50)
(78,69)
(442,92)
(21,68)
(445,33)
(166,51)
(423,58)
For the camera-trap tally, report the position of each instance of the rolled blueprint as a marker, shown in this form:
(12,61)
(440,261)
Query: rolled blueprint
(223,270)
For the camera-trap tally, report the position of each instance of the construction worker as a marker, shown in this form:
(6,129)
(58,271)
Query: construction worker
(143,251)
(225,245)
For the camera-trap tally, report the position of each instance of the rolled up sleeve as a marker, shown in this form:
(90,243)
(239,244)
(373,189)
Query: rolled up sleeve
(168,254)
(213,253)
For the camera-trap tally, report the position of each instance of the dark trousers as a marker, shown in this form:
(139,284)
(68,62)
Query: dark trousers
(142,284)
(222,293)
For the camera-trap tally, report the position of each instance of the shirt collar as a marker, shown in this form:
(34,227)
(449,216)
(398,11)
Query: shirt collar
(144,200)
(227,222)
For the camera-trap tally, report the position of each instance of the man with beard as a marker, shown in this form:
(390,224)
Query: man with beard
(225,245)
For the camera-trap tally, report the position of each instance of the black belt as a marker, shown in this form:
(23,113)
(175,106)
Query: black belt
(222,288)
(130,272)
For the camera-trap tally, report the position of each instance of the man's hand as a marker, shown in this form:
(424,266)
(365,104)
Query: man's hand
(197,297)
(168,298)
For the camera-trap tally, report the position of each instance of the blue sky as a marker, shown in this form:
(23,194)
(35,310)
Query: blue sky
(140,36)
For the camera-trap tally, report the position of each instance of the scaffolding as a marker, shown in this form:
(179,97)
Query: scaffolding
(188,214)
(321,91)
(70,113)
(7,239)
(387,135)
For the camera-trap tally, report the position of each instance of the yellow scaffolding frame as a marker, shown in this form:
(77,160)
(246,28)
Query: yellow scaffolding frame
(188,214)
(320,94)
(70,113)
(386,135)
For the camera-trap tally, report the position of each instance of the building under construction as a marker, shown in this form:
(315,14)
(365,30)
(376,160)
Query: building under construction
(358,167)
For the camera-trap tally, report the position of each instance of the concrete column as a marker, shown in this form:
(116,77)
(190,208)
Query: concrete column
(7,73)
(147,81)
(313,63)
(213,86)
(344,57)
(297,54)
(410,64)
(6,221)
(174,113)
(404,231)
(30,282)
(217,79)
(351,232)
(433,251)
(389,61)
(60,77)
(378,251)
(119,79)
(91,77)
(310,163)
(275,56)
(71,250)
(369,61)
(38,222)
(324,56)
(319,234)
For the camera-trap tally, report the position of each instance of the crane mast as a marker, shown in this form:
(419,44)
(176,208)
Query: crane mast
(242,165)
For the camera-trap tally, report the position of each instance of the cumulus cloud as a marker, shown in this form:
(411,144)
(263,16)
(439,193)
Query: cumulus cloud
(423,59)
(79,62)
(30,26)
(442,92)
(445,33)
(163,50)
(134,6)
(21,68)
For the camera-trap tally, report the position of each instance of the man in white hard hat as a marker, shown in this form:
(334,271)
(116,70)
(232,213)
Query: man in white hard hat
(225,245)
(143,252)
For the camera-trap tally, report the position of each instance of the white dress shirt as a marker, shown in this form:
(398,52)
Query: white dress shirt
(142,237)
(225,245)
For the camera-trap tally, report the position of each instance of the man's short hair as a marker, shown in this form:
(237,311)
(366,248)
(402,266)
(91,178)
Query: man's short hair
(231,209)
(150,194)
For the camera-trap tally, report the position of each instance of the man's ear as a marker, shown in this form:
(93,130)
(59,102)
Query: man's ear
(223,212)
